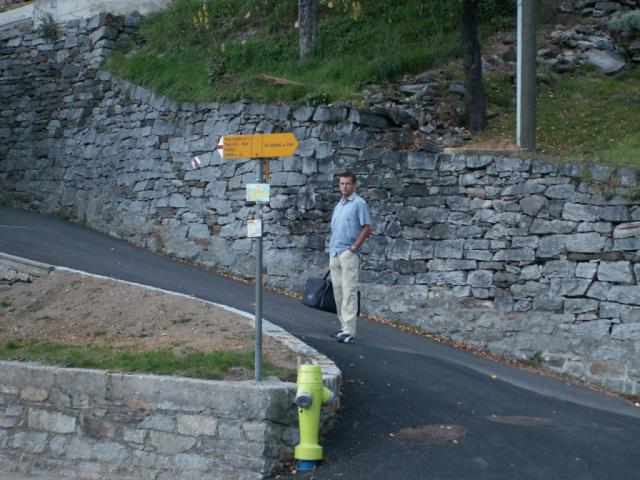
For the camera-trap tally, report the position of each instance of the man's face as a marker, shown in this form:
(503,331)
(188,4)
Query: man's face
(347,186)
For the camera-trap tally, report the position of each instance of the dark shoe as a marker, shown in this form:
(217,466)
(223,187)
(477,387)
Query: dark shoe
(345,338)
(337,334)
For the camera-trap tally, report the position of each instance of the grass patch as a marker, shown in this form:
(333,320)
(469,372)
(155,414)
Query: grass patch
(585,117)
(183,59)
(181,320)
(211,366)
(535,360)
(5,303)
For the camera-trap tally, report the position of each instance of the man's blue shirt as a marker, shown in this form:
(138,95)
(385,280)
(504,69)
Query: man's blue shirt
(349,217)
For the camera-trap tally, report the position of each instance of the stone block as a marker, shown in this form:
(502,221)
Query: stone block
(599,290)
(421,161)
(626,332)
(110,452)
(625,244)
(569,287)
(532,205)
(230,431)
(625,294)
(33,394)
(579,212)
(254,431)
(515,255)
(512,164)
(480,278)
(303,114)
(551,246)
(449,249)
(542,227)
(627,230)
(50,421)
(558,268)
(444,265)
(196,425)
(441,278)
(133,435)
(31,442)
(586,270)
(618,213)
(580,305)
(563,191)
(617,272)
(530,272)
(169,443)
(529,289)
(192,461)
(97,427)
(452,163)
(548,303)
(586,243)
(92,471)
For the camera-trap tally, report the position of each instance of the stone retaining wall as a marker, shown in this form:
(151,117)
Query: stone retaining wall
(7,4)
(521,257)
(74,423)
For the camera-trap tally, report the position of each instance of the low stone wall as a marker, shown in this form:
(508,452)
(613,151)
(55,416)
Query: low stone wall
(94,424)
(16,269)
(521,257)
(7,4)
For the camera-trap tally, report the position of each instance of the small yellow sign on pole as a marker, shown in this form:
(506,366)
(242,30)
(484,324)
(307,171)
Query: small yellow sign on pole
(268,145)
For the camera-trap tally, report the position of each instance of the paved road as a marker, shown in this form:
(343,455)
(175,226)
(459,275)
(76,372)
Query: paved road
(508,423)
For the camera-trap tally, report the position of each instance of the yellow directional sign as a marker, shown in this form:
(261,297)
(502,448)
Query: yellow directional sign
(267,145)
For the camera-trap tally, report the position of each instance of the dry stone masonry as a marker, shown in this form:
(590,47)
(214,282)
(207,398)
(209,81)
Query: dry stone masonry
(521,257)
(90,424)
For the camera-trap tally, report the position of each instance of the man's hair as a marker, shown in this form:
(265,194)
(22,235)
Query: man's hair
(348,174)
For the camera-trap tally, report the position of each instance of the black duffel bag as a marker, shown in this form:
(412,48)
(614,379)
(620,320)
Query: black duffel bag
(318,293)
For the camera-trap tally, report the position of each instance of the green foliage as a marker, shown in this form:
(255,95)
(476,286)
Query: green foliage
(181,55)
(626,24)
(182,320)
(315,99)
(535,360)
(11,345)
(48,28)
(499,13)
(195,364)
(582,117)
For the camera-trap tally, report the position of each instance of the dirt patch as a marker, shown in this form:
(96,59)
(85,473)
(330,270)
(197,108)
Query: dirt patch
(75,309)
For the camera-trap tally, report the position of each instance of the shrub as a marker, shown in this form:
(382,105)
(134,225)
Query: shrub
(626,23)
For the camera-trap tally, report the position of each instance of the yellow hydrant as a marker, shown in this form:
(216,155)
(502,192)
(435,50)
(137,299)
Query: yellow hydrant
(310,396)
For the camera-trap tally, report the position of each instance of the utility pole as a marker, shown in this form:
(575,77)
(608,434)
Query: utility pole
(526,75)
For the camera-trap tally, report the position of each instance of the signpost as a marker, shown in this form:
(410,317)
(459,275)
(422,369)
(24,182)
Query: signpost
(261,146)
(268,145)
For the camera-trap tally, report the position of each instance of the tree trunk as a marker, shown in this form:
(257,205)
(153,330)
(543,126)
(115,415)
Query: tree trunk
(307,22)
(475,107)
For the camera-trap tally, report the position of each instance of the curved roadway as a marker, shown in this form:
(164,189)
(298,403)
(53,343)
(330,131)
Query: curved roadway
(412,408)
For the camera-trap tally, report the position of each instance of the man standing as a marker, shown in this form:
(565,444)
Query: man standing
(350,226)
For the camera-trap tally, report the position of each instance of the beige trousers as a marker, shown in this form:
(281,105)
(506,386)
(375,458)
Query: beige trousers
(345,272)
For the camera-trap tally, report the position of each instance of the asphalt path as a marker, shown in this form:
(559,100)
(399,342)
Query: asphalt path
(412,408)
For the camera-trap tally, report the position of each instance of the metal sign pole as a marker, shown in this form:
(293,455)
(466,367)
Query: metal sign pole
(258,349)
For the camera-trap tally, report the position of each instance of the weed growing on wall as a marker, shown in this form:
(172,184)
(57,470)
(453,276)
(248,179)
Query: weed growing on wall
(48,27)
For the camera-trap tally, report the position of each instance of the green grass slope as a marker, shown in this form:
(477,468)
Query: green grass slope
(226,50)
